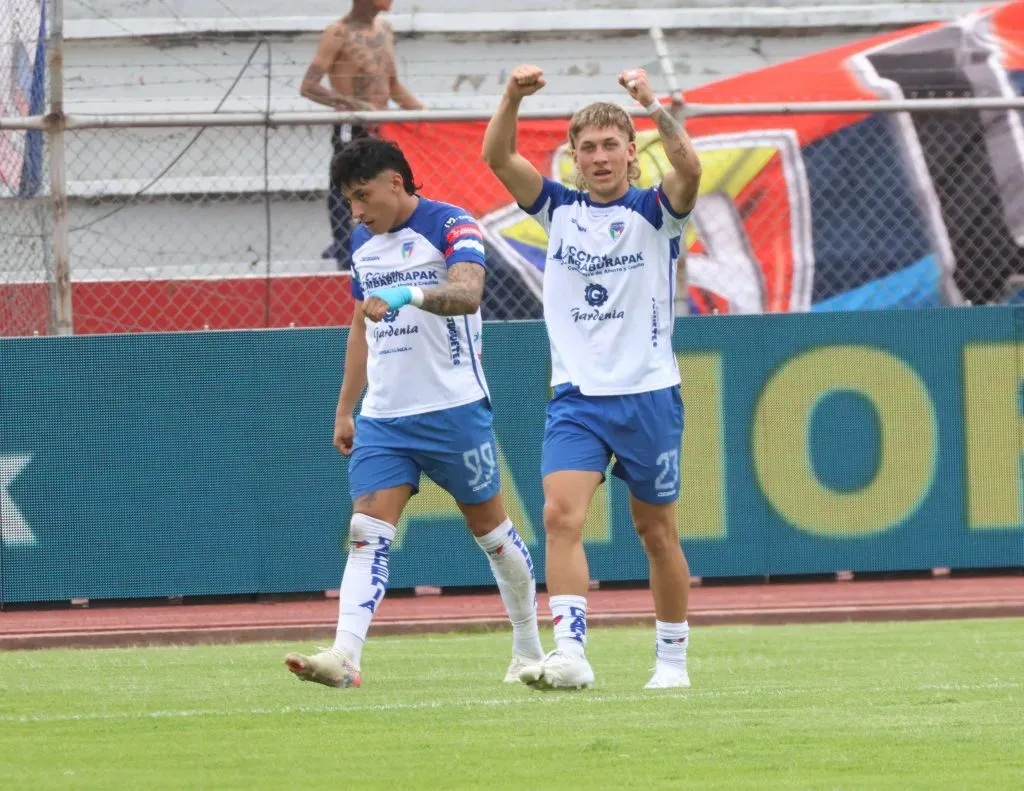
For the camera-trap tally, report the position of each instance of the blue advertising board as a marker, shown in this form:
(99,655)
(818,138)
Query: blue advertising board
(202,464)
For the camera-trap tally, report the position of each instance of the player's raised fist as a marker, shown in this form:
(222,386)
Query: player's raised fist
(525,81)
(638,84)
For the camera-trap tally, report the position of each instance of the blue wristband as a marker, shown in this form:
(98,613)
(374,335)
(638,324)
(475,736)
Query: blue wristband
(395,296)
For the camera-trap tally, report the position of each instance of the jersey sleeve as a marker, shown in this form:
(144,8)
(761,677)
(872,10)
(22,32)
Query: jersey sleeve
(357,288)
(654,206)
(673,223)
(462,241)
(360,236)
(552,195)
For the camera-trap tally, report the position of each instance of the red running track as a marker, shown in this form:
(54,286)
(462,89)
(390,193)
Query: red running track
(315,620)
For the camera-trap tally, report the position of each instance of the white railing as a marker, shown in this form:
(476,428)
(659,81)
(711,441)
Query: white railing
(75,122)
(546,21)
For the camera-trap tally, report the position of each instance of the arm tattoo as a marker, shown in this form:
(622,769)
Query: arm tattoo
(676,142)
(674,137)
(313,74)
(667,125)
(461,295)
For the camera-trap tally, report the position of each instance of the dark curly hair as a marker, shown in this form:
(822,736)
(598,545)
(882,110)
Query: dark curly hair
(364,159)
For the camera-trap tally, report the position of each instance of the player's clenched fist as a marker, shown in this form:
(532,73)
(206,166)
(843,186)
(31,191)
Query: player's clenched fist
(375,308)
(638,84)
(525,80)
(344,433)
(383,300)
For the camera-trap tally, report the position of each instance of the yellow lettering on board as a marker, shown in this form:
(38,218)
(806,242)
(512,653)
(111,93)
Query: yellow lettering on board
(781,448)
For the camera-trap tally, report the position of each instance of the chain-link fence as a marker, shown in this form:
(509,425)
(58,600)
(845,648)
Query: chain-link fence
(194,228)
(900,210)
(174,227)
(217,228)
(25,216)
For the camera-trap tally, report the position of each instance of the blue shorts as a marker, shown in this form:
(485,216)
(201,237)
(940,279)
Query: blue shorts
(644,432)
(454,447)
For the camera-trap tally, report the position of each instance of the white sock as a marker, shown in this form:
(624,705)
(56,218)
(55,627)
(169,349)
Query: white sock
(569,616)
(364,583)
(513,570)
(671,640)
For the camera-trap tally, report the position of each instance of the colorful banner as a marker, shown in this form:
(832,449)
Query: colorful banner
(815,212)
(22,93)
(202,464)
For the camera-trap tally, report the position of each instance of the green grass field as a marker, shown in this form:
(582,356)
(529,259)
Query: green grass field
(854,706)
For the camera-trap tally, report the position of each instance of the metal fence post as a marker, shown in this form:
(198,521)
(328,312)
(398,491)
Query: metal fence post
(60,284)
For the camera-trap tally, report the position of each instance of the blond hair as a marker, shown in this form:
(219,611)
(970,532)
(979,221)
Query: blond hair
(603,115)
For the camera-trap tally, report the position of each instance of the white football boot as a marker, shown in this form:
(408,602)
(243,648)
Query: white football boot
(668,676)
(558,670)
(330,668)
(516,666)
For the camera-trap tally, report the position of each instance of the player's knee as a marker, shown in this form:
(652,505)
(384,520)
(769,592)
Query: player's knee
(563,521)
(365,529)
(484,518)
(657,534)
(385,505)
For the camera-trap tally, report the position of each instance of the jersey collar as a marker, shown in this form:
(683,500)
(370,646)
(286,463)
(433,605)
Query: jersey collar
(623,201)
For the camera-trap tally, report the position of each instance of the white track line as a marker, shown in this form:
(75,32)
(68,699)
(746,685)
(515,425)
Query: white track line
(584,698)
(375,707)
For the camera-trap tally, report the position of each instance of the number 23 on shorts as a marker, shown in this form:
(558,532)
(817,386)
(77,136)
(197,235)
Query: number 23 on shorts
(668,475)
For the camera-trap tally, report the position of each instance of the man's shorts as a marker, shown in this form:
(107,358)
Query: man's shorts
(343,134)
(644,431)
(454,447)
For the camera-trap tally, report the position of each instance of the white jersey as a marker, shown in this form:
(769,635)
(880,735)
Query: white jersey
(419,362)
(609,283)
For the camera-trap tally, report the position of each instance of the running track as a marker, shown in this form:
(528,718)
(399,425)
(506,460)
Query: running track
(188,624)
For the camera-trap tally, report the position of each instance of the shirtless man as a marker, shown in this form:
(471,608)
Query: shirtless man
(357,55)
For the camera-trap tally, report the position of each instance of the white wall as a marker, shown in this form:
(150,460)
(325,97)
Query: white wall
(127,75)
(99,9)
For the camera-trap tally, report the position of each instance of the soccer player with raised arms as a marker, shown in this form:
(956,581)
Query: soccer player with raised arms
(415,346)
(608,305)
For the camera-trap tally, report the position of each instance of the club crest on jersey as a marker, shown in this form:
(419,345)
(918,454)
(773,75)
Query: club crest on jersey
(407,248)
(616,229)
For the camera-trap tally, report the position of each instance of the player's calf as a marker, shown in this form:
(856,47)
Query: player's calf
(670,586)
(512,566)
(363,586)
